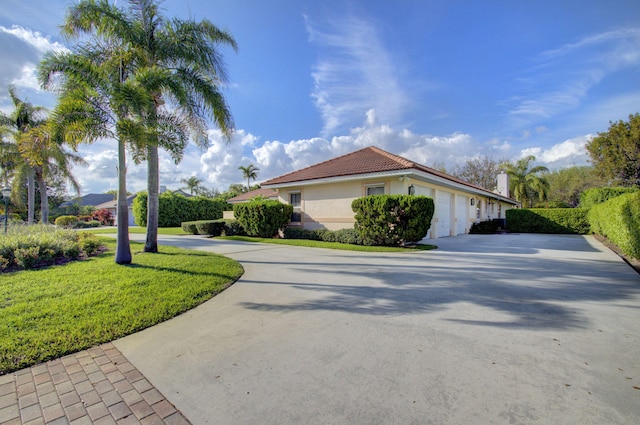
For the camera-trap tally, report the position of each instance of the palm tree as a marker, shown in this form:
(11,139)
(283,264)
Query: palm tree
(48,158)
(193,184)
(99,100)
(526,182)
(24,118)
(177,62)
(249,172)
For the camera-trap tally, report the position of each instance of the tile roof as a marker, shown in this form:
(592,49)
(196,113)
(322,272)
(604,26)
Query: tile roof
(369,160)
(267,193)
(89,199)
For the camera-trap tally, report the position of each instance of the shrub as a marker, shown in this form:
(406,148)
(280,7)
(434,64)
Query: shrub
(27,258)
(548,220)
(263,218)
(485,227)
(189,227)
(233,228)
(392,219)
(66,220)
(86,224)
(31,246)
(103,216)
(174,209)
(595,196)
(3,263)
(88,243)
(211,228)
(619,220)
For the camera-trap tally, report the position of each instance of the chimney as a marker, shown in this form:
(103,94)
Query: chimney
(503,184)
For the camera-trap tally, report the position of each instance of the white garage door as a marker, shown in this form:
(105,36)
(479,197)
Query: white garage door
(443,214)
(461,215)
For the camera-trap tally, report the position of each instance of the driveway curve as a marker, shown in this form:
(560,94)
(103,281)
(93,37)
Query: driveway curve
(512,329)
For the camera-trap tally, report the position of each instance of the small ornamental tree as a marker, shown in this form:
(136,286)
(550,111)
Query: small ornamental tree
(393,219)
(263,218)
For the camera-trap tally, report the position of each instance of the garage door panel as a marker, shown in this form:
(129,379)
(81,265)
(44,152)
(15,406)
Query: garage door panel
(461,215)
(443,214)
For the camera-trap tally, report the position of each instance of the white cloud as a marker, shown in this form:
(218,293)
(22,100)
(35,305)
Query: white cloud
(25,48)
(354,74)
(42,43)
(569,153)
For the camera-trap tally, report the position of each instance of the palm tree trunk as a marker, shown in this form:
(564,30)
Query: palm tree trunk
(44,199)
(153,202)
(31,196)
(123,247)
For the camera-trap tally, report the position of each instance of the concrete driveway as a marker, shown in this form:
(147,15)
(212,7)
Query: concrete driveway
(512,329)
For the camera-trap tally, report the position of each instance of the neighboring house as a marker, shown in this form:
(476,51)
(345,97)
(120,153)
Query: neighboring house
(92,199)
(322,194)
(247,196)
(112,206)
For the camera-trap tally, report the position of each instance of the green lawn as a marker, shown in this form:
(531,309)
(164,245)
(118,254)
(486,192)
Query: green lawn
(331,245)
(50,312)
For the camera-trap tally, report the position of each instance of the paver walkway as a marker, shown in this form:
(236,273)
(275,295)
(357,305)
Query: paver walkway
(94,386)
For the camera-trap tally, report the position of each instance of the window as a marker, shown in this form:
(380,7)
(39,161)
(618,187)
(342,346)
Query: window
(295,199)
(375,190)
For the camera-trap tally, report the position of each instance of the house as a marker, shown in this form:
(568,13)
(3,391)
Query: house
(91,199)
(112,206)
(322,194)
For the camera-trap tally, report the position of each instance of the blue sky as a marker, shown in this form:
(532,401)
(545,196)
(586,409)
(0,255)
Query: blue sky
(438,82)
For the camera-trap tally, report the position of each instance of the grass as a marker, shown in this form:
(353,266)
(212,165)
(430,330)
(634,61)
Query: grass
(330,245)
(137,229)
(47,313)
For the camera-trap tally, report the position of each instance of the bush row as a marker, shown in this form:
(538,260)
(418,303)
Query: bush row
(619,220)
(213,227)
(174,209)
(599,195)
(548,220)
(349,236)
(34,246)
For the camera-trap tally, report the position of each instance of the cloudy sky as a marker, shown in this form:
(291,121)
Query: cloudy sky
(436,81)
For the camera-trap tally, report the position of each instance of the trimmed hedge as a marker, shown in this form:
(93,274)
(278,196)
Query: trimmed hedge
(485,227)
(392,220)
(595,196)
(263,218)
(548,220)
(213,227)
(174,209)
(619,220)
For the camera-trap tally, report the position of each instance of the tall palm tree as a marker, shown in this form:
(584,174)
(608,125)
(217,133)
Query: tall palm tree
(23,119)
(249,172)
(178,62)
(193,184)
(99,100)
(526,181)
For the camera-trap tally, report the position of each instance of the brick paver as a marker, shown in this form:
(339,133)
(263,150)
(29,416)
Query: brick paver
(94,386)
